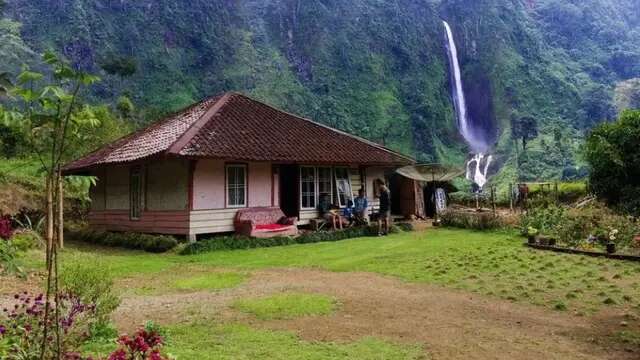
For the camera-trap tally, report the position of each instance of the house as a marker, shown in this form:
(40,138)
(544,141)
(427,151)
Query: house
(190,172)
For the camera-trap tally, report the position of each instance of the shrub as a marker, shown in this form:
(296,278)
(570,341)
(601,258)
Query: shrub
(25,240)
(146,242)
(233,242)
(93,285)
(6,230)
(8,256)
(545,218)
(144,345)
(599,221)
(471,220)
(22,332)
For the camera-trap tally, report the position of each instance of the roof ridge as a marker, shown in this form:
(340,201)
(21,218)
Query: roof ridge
(359,138)
(186,136)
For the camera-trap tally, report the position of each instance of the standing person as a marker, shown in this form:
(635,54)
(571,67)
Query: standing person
(361,204)
(385,209)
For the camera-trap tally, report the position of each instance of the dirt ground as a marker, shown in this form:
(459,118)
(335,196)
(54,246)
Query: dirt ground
(451,324)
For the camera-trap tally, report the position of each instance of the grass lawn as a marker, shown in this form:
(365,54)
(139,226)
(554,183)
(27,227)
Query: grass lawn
(495,264)
(491,263)
(287,306)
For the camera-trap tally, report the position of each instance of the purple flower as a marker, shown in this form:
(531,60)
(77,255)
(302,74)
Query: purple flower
(2,330)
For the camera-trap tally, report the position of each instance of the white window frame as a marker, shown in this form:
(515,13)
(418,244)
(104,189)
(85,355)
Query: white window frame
(315,188)
(337,180)
(228,185)
(330,180)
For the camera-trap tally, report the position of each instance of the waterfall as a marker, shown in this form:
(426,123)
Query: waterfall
(476,169)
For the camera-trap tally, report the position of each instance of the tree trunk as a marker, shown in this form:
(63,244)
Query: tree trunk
(60,211)
(49,216)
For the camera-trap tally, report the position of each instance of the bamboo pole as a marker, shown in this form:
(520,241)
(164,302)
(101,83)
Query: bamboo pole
(50,216)
(60,211)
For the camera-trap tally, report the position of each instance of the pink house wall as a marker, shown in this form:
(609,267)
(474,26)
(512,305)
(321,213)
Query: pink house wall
(209,184)
(260,186)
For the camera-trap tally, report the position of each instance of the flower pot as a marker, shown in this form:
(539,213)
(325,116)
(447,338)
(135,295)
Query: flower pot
(611,247)
(531,239)
(552,242)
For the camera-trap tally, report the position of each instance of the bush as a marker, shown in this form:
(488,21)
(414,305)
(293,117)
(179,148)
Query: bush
(8,256)
(25,240)
(146,242)
(233,242)
(92,284)
(471,220)
(598,221)
(5,228)
(545,218)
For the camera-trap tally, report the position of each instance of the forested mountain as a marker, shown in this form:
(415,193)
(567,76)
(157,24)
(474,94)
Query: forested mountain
(537,73)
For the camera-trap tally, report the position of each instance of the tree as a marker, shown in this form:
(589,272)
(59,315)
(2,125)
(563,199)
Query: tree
(47,109)
(524,128)
(612,152)
(597,106)
(123,66)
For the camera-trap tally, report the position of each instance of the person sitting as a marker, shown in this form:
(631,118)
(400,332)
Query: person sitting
(361,205)
(348,213)
(329,212)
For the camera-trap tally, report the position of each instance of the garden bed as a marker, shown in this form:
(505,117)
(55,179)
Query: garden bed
(584,252)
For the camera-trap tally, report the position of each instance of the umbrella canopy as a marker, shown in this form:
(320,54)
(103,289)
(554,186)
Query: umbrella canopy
(431,172)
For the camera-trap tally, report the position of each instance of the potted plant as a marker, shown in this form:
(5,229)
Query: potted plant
(532,234)
(611,245)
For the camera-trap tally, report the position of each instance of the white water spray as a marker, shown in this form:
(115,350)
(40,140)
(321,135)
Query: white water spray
(476,169)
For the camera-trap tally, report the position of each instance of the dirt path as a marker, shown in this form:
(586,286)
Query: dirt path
(451,324)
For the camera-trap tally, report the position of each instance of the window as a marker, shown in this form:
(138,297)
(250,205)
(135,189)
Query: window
(325,184)
(236,185)
(135,193)
(308,187)
(343,186)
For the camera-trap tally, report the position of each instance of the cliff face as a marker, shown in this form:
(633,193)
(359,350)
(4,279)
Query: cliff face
(374,68)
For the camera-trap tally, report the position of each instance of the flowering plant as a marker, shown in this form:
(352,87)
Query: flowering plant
(613,234)
(5,228)
(144,345)
(22,334)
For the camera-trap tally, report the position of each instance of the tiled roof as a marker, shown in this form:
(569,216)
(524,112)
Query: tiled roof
(236,127)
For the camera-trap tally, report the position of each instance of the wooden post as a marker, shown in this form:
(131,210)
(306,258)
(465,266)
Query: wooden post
(556,191)
(49,204)
(60,211)
(493,199)
(511,197)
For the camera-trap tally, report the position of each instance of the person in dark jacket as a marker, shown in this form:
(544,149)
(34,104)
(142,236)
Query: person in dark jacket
(384,215)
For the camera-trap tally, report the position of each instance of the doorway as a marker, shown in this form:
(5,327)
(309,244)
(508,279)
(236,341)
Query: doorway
(289,190)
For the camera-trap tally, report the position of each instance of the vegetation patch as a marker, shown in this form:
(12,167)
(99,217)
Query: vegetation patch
(234,341)
(211,281)
(471,220)
(146,242)
(243,242)
(287,306)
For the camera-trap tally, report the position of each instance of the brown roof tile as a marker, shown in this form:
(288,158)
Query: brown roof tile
(233,126)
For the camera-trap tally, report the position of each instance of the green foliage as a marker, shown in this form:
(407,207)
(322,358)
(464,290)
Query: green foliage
(471,220)
(93,284)
(146,242)
(545,219)
(9,258)
(233,242)
(27,239)
(123,66)
(611,150)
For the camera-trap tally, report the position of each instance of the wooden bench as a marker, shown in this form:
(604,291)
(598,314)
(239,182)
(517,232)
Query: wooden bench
(317,224)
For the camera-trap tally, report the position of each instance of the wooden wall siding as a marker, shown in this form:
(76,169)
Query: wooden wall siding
(167,185)
(356,181)
(211,221)
(306,216)
(161,222)
(97,191)
(117,188)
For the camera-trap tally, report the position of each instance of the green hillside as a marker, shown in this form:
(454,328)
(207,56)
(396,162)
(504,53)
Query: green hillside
(374,68)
